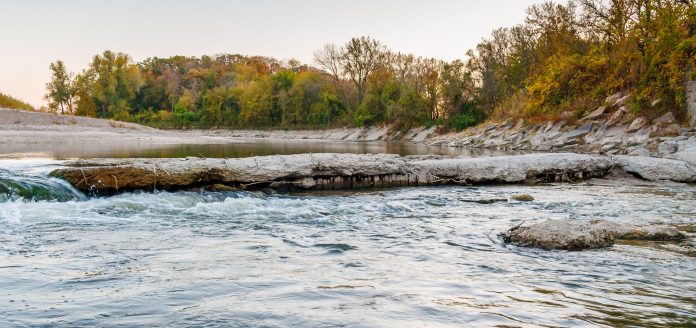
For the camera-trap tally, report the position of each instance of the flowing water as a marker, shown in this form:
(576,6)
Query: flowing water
(384,258)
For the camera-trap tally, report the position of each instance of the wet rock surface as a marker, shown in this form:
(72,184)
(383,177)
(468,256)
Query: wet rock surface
(575,235)
(325,171)
(686,247)
(560,234)
(522,198)
(518,168)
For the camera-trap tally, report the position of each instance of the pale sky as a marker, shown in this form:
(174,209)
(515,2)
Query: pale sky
(35,33)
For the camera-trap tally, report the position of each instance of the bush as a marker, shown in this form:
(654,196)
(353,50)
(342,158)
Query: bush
(462,121)
(7,101)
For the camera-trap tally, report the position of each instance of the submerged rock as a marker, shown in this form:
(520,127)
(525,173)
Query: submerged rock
(569,234)
(485,200)
(522,198)
(687,247)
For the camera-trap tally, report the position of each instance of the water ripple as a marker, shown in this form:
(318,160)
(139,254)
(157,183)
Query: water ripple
(400,257)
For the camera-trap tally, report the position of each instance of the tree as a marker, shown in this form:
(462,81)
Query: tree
(112,82)
(330,59)
(564,57)
(361,57)
(60,90)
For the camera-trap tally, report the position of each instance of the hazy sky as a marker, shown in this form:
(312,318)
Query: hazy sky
(36,32)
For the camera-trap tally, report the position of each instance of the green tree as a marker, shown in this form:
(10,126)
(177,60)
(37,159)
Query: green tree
(113,82)
(60,90)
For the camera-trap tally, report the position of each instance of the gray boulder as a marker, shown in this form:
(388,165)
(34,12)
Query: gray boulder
(652,168)
(616,116)
(667,148)
(596,114)
(687,155)
(575,235)
(561,234)
(622,101)
(638,151)
(637,124)
(613,98)
(666,119)
(579,132)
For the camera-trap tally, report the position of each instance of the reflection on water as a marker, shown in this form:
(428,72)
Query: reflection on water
(390,258)
(239,148)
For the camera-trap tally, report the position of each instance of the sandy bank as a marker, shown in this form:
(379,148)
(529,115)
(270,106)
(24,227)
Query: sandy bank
(24,132)
(24,127)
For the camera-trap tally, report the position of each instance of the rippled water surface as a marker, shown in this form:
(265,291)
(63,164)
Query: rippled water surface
(238,147)
(387,258)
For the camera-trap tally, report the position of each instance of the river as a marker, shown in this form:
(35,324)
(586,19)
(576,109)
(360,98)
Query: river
(406,257)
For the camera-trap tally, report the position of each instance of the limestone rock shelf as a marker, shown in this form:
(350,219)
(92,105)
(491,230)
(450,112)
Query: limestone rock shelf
(325,171)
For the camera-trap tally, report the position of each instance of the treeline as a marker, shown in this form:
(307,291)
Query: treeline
(564,57)
(7,101)
(362,83)
(569,57)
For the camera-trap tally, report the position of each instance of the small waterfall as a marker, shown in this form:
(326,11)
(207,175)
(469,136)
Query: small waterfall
(14,187)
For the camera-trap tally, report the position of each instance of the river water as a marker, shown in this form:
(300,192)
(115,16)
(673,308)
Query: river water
(407,257)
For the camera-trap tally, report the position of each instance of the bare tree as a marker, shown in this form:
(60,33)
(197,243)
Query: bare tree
(330,59)
(611,18)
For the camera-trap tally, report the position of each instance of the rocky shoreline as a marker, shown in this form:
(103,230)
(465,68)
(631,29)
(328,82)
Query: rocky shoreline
(609,130)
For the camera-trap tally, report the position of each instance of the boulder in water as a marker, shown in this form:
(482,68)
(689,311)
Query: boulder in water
(523,198)
(575,235)
(565,234)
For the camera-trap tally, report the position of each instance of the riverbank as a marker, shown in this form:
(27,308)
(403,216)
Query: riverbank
(31,127)
(23,131)
(608,131)
(37,134)
(151,250)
